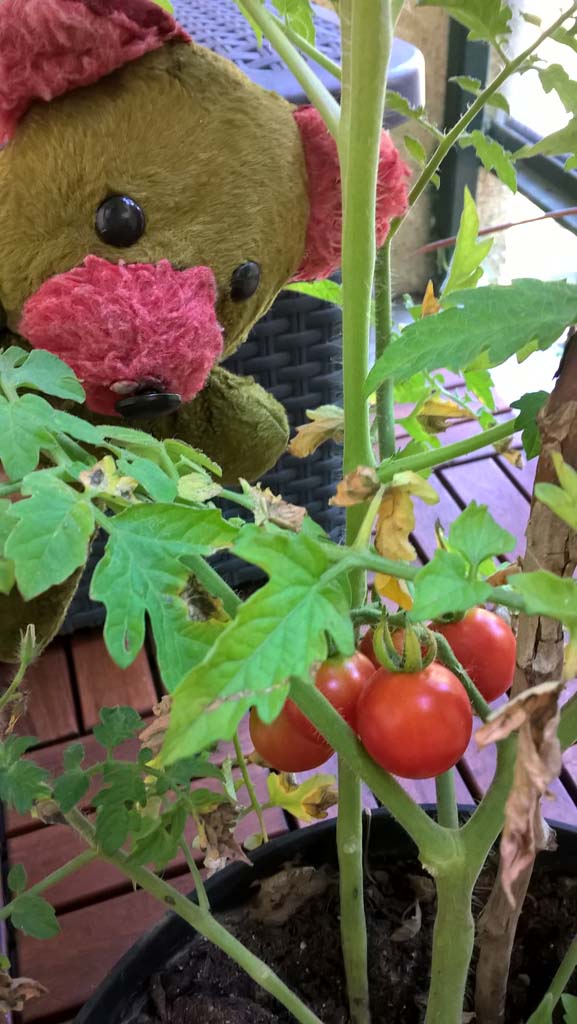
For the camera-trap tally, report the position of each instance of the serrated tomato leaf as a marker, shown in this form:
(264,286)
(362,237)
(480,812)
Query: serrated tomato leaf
(143,571)
(52,534)
(466,270)
(21,781)
(34,916)
(39,371)
(544,593)
(486,19)
(70,787)
(529,406)
(444,586)
(116,725)
(480,326)
(278,632)
(476,535)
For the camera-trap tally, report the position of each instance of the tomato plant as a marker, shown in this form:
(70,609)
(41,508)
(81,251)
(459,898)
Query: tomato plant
(341,681)
(486,647)
(283,745)
(415,724)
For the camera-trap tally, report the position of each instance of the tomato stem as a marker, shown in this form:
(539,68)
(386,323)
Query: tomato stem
(447,813)
(451,959)
(447,658)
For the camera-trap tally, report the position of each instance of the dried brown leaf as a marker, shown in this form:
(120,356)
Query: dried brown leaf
(270,508)
(283,894)
(358,486)
(438,413)
(410,927)
(217,840)
(152,737)
(327,424)
(499,578)
(16,992)
(534,714)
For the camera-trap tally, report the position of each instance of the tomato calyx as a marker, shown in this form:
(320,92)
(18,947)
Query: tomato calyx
(408,650)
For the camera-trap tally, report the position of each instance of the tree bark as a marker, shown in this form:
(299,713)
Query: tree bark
(551,545)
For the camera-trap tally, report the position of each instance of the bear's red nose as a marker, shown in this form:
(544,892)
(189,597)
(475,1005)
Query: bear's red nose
(117,323)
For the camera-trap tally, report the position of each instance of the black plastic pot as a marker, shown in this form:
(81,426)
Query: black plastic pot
(121,997)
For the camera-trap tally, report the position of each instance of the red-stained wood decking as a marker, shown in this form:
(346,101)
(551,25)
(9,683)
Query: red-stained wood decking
(99,914)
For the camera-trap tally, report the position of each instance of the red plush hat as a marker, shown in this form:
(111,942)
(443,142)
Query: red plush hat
(49,48)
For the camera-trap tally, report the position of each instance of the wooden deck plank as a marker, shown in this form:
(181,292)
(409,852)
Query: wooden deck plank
(523,476)
(50,712)
(101,683)
(485,482)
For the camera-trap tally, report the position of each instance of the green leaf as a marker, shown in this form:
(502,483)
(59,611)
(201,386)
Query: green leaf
(476,535)
(112,827)
(484,325)
(24,431)
(116,726)
(39,371)
(557,144)
(183,454)
(21,781)
(34,916)
(144,570)
(474,86)
(555,77)
(17,879)
(529,406)
(154,480)
(298,16)
(278,632)
(73,756)
(159,846)
(570,1008)
(327,291)
(480,383)
(561,500)
(52,535)
(544,1012)
(492,156)
(485,19)
(566,37)
(444,586)
(415,149)
(70,788)
(7,575)
(466,270)
(400,105)
(546,594)
(198,487)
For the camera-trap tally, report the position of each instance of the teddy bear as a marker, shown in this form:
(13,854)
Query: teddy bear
(153,203)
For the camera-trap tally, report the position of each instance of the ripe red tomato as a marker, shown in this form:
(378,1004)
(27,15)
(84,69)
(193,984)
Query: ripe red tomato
(415,724)
(282,745)
(341,681)
(366,648)
(486,647)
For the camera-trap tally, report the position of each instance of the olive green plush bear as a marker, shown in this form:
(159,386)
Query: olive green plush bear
(153,202)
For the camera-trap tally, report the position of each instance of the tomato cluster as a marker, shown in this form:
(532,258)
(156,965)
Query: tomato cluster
(414,724)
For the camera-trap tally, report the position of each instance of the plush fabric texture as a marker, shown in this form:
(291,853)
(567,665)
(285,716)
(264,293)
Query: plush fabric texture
(215,162)
(48,47)
(234,421)
(323,243)
(47,612)
(111,322)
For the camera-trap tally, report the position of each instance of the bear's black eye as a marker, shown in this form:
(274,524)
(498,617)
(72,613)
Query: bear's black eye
(120,221)
(245,281)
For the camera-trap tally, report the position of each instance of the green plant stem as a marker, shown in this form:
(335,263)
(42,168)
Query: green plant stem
(457,130)
(241,761)
(353,923)
(317,93)
(202,921)
(10,488)
(435,844)
(558,985)
(54,878)
(438,456)
(448,659)
(453,938)
(200,890)
(385,397)
(239,499)
(447,813)
(311,51)
(481,830)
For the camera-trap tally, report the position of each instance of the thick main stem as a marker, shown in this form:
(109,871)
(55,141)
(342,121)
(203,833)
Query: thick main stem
(451,959)
(385,404)
(366,48)
(447,813)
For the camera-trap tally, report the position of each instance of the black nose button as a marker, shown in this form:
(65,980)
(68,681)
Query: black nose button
(148,406)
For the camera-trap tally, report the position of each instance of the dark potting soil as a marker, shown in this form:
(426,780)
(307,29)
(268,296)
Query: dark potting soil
(292,922)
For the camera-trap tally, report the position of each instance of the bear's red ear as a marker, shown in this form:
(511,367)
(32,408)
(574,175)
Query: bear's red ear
(48,47)
(323,244)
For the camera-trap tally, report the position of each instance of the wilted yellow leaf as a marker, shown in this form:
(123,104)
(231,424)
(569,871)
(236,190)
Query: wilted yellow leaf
(395,589)
(269,508)
(358,486)
(395,521)
(535,716)
(308,801)
(104,478)
(431,304)
(445,408)
(327,423)
(414,484)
